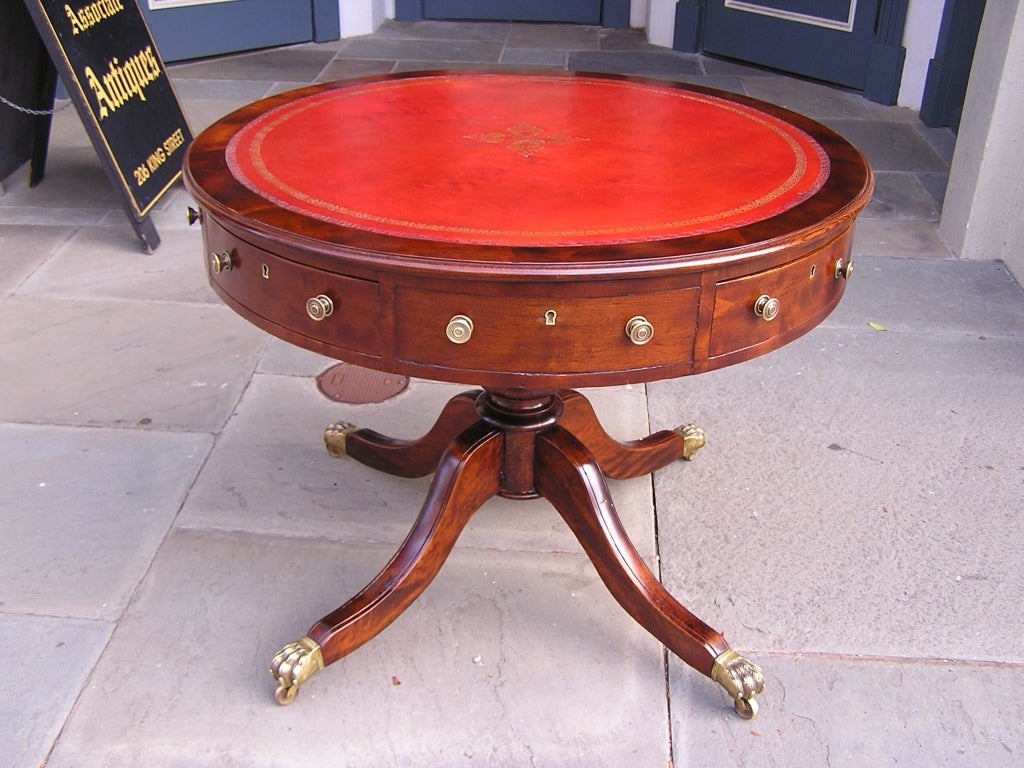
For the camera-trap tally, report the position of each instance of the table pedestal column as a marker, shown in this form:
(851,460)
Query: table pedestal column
(519,444)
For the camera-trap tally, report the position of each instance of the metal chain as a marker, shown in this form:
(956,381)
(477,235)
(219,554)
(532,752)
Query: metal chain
(28,111)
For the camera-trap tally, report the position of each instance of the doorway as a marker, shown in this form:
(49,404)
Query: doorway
(191,29)
(853,43)
(608,13)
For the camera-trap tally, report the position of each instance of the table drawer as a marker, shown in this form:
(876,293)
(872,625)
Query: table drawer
(544,331)
(755,310)
(293,296)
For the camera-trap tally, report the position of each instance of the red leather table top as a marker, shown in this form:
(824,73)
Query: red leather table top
(496,159)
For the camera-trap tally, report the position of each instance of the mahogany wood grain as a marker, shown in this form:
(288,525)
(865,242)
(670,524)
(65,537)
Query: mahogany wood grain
(574,484)
(414,458)
(620,460)
(467,477)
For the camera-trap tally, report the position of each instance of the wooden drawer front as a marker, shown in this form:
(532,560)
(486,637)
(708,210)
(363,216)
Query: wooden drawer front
(806,289)
(588,334)
(277,290)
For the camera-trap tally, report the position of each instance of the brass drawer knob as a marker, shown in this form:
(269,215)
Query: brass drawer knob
(844,269)
(639,330)
(766,307)
(459,329)
(220,262)
(192,215)
(319,307)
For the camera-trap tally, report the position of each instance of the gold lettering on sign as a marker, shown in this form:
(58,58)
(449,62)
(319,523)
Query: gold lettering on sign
(122,82)
(89,15)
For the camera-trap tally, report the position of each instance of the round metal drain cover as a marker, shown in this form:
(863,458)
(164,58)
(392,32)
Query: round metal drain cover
(346,383)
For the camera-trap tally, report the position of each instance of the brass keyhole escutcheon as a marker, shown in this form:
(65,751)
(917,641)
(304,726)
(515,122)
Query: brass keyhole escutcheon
(459,330)
(220,262)
(639,330)
(550,317)
(319,307)
(265,271)
(766,307)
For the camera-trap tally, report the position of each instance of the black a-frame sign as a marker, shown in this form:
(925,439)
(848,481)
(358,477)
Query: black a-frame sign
(105,54)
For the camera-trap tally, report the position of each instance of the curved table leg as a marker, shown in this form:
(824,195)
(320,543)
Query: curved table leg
(404,458)
(467,476)
(574,483)
(634,458)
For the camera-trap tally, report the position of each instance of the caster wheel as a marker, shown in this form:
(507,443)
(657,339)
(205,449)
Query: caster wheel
(285,696)
(745,708)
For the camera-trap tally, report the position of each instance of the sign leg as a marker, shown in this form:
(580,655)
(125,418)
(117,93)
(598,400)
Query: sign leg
(147,233)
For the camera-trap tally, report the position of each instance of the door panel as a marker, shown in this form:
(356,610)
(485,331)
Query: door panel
(575,11)
(825,39)
(189,29)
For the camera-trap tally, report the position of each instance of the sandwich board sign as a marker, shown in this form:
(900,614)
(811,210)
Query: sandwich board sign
(112,70)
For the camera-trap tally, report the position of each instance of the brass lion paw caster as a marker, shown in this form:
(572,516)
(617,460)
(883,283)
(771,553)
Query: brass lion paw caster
(294,665)
(742,680)
(693,440)
(335,437)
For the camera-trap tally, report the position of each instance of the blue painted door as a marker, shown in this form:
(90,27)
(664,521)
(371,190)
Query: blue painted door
(828,40)
(574,11)
(189,29)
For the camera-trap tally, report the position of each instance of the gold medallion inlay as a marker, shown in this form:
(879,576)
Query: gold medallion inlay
(525,139)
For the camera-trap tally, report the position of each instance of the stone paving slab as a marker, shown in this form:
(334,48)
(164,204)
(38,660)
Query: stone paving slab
(24,249)
(902,194)
(917,295)
(270,473)
(900,147)
(814,100)
(88,510)
(46,662)
(634,63)
(898,238)
(300,63)
(105,263)
(820,712)
(507,659)
(444,30)
(100,363)
(465,51)
(858,495)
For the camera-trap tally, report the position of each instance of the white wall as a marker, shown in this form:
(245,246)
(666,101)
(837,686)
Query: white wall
(919,37)
(361,17)
(661,22)
(983,214)
(638,14)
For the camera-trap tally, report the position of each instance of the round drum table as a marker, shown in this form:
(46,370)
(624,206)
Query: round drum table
(526,233)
